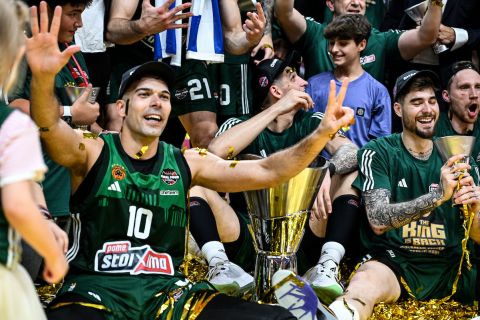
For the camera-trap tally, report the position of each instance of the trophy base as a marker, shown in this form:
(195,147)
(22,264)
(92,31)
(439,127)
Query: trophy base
(265,266)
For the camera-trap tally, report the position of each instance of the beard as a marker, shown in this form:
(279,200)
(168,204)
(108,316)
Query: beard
(411,126)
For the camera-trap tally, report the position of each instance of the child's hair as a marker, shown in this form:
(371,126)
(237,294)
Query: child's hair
(53,3)
(348,27)
(13,15)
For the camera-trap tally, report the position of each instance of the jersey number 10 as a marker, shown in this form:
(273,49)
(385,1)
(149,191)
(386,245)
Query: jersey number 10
(135,222)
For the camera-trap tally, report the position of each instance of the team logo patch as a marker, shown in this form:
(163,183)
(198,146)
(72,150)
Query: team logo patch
(121,257)
(263,81)
(367,59)
(181,94)
(118,172)
(169,176)
(360,112)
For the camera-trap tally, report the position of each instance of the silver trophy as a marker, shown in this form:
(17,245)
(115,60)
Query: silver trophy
(278,216)
(416,13)
(450,146)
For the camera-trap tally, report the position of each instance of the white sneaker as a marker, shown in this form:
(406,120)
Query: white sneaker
(229,278)
(323,278)
(295,295)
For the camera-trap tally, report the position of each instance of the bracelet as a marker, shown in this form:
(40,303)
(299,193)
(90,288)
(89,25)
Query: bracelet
(67,111)
(266,45)
(437,3)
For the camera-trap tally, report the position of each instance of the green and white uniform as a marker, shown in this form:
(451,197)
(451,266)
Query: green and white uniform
(232,86)
(381,46)
(444,128)
(266,143)
(129,232)
(426,251)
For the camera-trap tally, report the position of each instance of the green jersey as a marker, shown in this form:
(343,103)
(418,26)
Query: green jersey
(268,142)
(444,128)
(10,248)
(232,86)
(427,250)
(380,47)
(131,222)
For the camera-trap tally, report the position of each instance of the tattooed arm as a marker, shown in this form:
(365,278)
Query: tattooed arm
(384,216)
(345,158)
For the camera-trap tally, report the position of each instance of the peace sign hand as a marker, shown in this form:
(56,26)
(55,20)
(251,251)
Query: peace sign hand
(43,55)
(336,116)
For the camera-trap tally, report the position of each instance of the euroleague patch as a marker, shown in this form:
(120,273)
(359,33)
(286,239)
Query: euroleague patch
(121,257)
(181,94)
(263,82)
(169,176)
(118,172)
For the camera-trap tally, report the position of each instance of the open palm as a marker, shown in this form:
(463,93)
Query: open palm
(43,54)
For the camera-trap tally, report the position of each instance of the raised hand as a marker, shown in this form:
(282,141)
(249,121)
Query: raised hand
(43,55)
(336,116)
(254,26)
(157,19)
(450,173)
(84,112)
(293,100)
(265,44)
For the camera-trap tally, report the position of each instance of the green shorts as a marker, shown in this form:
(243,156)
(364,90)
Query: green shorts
(140,296)
(425,278)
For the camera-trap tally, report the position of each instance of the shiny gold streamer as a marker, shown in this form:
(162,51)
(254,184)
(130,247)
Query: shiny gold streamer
(142,151)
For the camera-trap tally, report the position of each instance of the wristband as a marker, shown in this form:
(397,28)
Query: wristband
(437,3)
(266,45)
(67,111)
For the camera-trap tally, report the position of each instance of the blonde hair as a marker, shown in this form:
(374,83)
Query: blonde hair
(13,15)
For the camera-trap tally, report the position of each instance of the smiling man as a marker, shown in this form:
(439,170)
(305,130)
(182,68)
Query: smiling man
(414,233)
(390,46)
(130,195)
(462,93)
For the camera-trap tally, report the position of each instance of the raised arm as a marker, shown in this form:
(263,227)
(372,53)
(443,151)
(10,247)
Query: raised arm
(122,30)
(413,41)
(234,140)
(291,21)
(45,61)
(232,176)
(240,39)
(384,215)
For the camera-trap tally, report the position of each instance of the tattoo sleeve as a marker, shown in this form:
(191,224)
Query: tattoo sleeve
(267,6)
(345,159)
(386,216)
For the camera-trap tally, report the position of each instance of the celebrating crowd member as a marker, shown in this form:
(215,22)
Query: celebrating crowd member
(130,194)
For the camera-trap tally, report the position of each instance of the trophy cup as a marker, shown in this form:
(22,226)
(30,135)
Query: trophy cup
(278,217)
(449,146)
(416,13)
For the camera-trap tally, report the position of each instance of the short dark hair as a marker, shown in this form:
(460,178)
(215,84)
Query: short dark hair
(455,68)
(419,83)
(53,3)
(348,27)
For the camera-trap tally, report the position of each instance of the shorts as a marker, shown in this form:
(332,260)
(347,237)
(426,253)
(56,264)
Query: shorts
(137,297)
(424,278)
(18,298)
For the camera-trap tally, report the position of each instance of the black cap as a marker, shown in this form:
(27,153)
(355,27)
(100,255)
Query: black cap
(455,68)
(403,81)
(266,72)
(152,68)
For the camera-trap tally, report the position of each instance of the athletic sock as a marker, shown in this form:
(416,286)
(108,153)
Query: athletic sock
(332,251)
(202,222)
(344,220)
(343,311)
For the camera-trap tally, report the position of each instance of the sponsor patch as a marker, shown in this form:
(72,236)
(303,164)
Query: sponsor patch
(168,192)
(367,59)
(169,176)
(118,172)
(121,257)
(263,81)
(181,94)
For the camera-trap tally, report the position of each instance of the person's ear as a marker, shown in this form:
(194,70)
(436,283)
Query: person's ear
(330,4)
(398,109)
(446,96)
(121,107)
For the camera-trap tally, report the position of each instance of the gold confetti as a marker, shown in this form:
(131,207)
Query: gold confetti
(81,146)
(234,163)
(142,151)
(89,135)
(345,129)
(231,150)
(201,151)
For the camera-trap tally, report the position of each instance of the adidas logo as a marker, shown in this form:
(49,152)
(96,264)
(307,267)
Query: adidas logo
(402,183)
(115,187)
